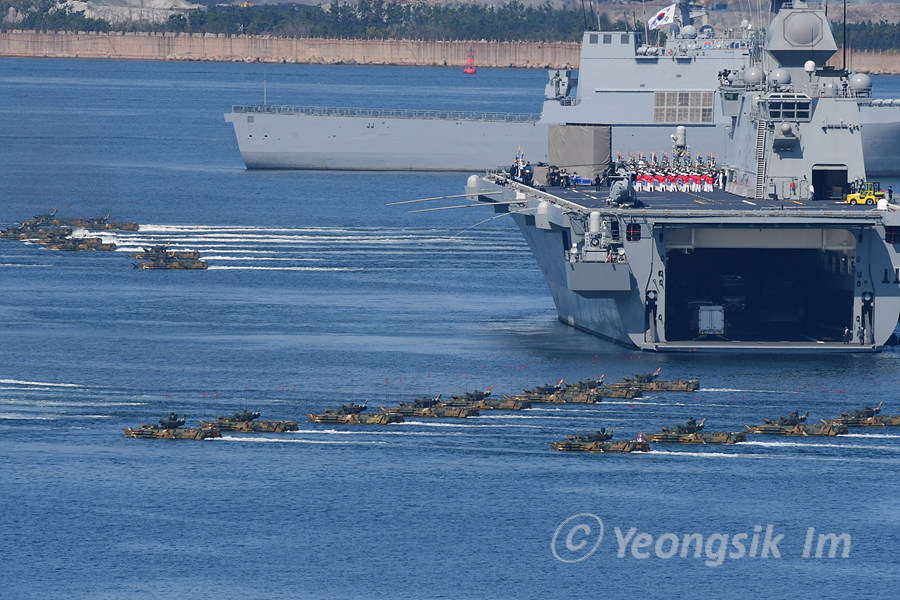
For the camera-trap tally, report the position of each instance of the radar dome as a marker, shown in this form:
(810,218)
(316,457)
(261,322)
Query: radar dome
(802,28)
(753,75)
(689,32)
(809,66)
(780,77)
(861,82)
(786,129)
(732,77)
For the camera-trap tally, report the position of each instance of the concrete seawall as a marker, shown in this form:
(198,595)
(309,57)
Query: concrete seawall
(223,48)
(219,47)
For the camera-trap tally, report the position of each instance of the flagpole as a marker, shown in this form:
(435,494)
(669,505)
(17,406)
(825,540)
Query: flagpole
(644,19)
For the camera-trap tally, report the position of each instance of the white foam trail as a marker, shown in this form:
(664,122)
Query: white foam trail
(817,444)
(43,403)
(468,425)
(359,432)
(323,269)
(286,259)
(747,391)
(21,417)
(21,265)
(40,383)
(871,435)
(483,415)
(709,454)
(258,440)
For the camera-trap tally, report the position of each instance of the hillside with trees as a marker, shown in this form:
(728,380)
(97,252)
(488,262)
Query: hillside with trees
(380,20)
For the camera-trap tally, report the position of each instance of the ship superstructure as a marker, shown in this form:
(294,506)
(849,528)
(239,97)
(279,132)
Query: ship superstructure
(770,262)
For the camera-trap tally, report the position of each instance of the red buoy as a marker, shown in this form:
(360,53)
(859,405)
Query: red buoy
(470,63)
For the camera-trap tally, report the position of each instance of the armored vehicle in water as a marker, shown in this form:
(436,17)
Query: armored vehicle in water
(589,391)
(160,257)
(172,428)
(161,251)
(692,433)
(623,392)
(482,401)
(794,425)
(600,441)
(432,408)
(246,422)
(355,414)
(867,417)
(96,224)
(84,244)
(650,382)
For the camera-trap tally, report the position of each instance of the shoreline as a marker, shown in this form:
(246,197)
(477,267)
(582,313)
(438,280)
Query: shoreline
(266,49)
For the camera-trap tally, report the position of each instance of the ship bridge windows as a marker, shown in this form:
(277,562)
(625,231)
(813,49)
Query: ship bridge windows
(593,38)
(683,107)
(607,38)
(789,107)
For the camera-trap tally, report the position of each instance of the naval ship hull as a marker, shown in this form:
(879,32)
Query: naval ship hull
(303,138)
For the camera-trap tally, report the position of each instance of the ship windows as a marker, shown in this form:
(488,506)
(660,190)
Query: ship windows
(607,38)
(624,38)
(892,234)
(683,107)
(592,38)
(633,232)
(789,108)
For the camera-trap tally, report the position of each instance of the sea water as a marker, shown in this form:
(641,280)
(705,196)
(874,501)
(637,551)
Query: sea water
(319,293)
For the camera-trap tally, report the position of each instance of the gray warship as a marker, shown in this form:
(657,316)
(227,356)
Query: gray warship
(625,89)
(766,261)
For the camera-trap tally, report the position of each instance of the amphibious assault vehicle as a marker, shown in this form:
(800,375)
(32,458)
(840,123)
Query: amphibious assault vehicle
(432,408)
(172,428)
(246,422)
(692,433)
(84,244)
(600,441)
(160,257)
(650,382)
(354,414)
(794,424)
(867,417)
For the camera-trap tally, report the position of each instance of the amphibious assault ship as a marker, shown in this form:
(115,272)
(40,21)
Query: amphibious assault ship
(769,263)
(625,90)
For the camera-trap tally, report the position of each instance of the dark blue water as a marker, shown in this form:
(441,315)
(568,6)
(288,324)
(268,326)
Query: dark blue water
(318,293)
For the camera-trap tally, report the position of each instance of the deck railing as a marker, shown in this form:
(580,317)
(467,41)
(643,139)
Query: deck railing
(384,113)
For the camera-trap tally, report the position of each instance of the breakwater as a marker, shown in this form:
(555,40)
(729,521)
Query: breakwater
(225,48)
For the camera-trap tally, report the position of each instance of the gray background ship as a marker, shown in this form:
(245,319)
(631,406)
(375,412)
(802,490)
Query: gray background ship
(627,94)
(766,264)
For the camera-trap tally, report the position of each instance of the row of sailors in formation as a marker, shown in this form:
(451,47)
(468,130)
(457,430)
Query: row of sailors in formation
(677,181)
(681,176)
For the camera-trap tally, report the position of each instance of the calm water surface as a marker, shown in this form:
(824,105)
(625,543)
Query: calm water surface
(318,293)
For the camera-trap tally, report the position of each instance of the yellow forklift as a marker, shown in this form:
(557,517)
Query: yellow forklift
(869,192)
